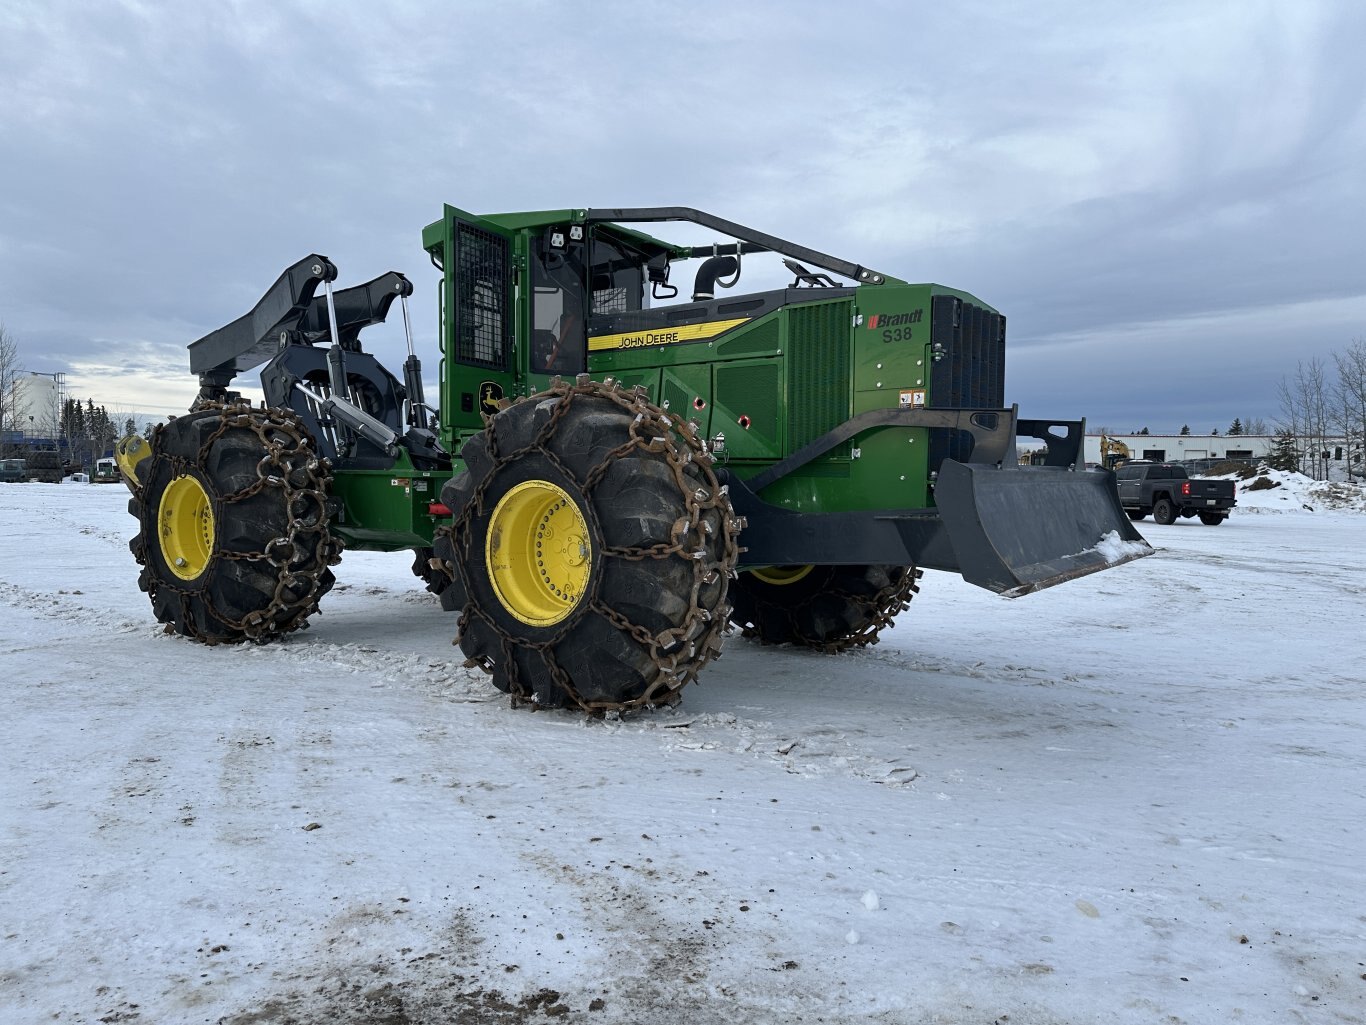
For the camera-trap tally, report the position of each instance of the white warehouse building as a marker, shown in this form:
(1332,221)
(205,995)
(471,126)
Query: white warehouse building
(1175,448)
(1338,460)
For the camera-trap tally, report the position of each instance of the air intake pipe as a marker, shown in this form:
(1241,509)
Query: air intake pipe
(714,267)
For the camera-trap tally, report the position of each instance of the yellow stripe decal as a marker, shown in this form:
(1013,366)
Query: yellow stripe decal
(663,335)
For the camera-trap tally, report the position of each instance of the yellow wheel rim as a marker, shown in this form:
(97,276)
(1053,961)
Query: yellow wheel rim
(185,524)
(538,553)
(781,575)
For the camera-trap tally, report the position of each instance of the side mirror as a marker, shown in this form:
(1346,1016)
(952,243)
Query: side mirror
(657,269)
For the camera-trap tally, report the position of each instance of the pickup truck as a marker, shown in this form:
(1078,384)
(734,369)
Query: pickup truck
(1166,491)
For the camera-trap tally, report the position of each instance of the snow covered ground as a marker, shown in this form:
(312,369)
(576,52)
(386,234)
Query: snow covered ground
(1138,797)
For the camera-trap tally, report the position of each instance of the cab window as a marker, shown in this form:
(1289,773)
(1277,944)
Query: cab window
(559,338)
(618,277)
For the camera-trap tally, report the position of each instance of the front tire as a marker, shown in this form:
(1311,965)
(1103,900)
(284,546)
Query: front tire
(1136,514)
(590,551)
(233,538)
(827,608)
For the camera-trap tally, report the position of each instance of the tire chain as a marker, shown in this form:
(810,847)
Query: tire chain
(654,430)
(892,599)
(304,484)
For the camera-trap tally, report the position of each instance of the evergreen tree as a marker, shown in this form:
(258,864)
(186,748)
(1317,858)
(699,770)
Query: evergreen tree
(1144,432)
(1185,430)
(1214,433)
(92,430)
(77,434)
(1236,428)
(129,428)
(1284,452)
(108,432)
(147,430)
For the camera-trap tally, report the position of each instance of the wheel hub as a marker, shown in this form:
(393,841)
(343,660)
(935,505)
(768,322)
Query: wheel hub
(538,552)
(186,527)
(780,575)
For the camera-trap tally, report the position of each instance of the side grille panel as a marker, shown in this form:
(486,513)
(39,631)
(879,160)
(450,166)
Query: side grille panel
(750,391)
(817,371)
(756,341)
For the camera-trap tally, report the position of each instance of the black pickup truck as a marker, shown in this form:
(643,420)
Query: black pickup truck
(1165,490)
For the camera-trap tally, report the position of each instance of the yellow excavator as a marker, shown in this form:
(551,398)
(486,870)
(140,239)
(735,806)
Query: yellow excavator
(1113,452)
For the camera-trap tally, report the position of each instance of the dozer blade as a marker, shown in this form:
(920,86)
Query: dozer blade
(1020,529)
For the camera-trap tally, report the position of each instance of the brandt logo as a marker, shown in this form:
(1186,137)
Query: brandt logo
(894,319)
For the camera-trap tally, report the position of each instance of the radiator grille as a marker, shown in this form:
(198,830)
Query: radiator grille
(818,371)
(481,328)
(971,374)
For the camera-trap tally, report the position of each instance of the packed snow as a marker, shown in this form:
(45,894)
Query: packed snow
(1270,490)
(1115,550)
(1137,797)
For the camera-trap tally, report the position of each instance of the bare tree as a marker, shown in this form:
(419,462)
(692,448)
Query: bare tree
(9,381)
(1306,412)
(1256,426)
(1350,404)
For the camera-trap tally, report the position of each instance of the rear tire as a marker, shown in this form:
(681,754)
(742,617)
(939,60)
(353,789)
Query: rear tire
(1164,512)
(437,580)
(1210,519)
(233,538)
(590,551)
(828,608)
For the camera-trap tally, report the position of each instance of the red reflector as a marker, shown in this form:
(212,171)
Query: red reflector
(1185,487)
(437,509)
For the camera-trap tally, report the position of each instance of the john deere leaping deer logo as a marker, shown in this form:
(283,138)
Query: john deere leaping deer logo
(490,394)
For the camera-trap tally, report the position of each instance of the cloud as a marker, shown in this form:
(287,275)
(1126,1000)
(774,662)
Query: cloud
(1095,170)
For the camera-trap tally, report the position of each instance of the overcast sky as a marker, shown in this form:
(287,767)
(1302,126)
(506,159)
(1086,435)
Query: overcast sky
(1165,199)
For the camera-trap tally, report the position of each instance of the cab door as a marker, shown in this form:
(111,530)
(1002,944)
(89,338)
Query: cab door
(478,317)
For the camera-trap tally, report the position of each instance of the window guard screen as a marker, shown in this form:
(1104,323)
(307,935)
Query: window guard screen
(482,327)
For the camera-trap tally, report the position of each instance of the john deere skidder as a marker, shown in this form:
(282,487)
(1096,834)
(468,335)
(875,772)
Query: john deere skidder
(613,474)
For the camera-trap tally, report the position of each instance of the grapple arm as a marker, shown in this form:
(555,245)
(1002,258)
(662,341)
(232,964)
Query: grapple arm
(291,311)
(253,338)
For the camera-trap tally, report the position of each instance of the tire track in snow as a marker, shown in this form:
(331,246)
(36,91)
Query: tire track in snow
(812,752)
(62,607)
